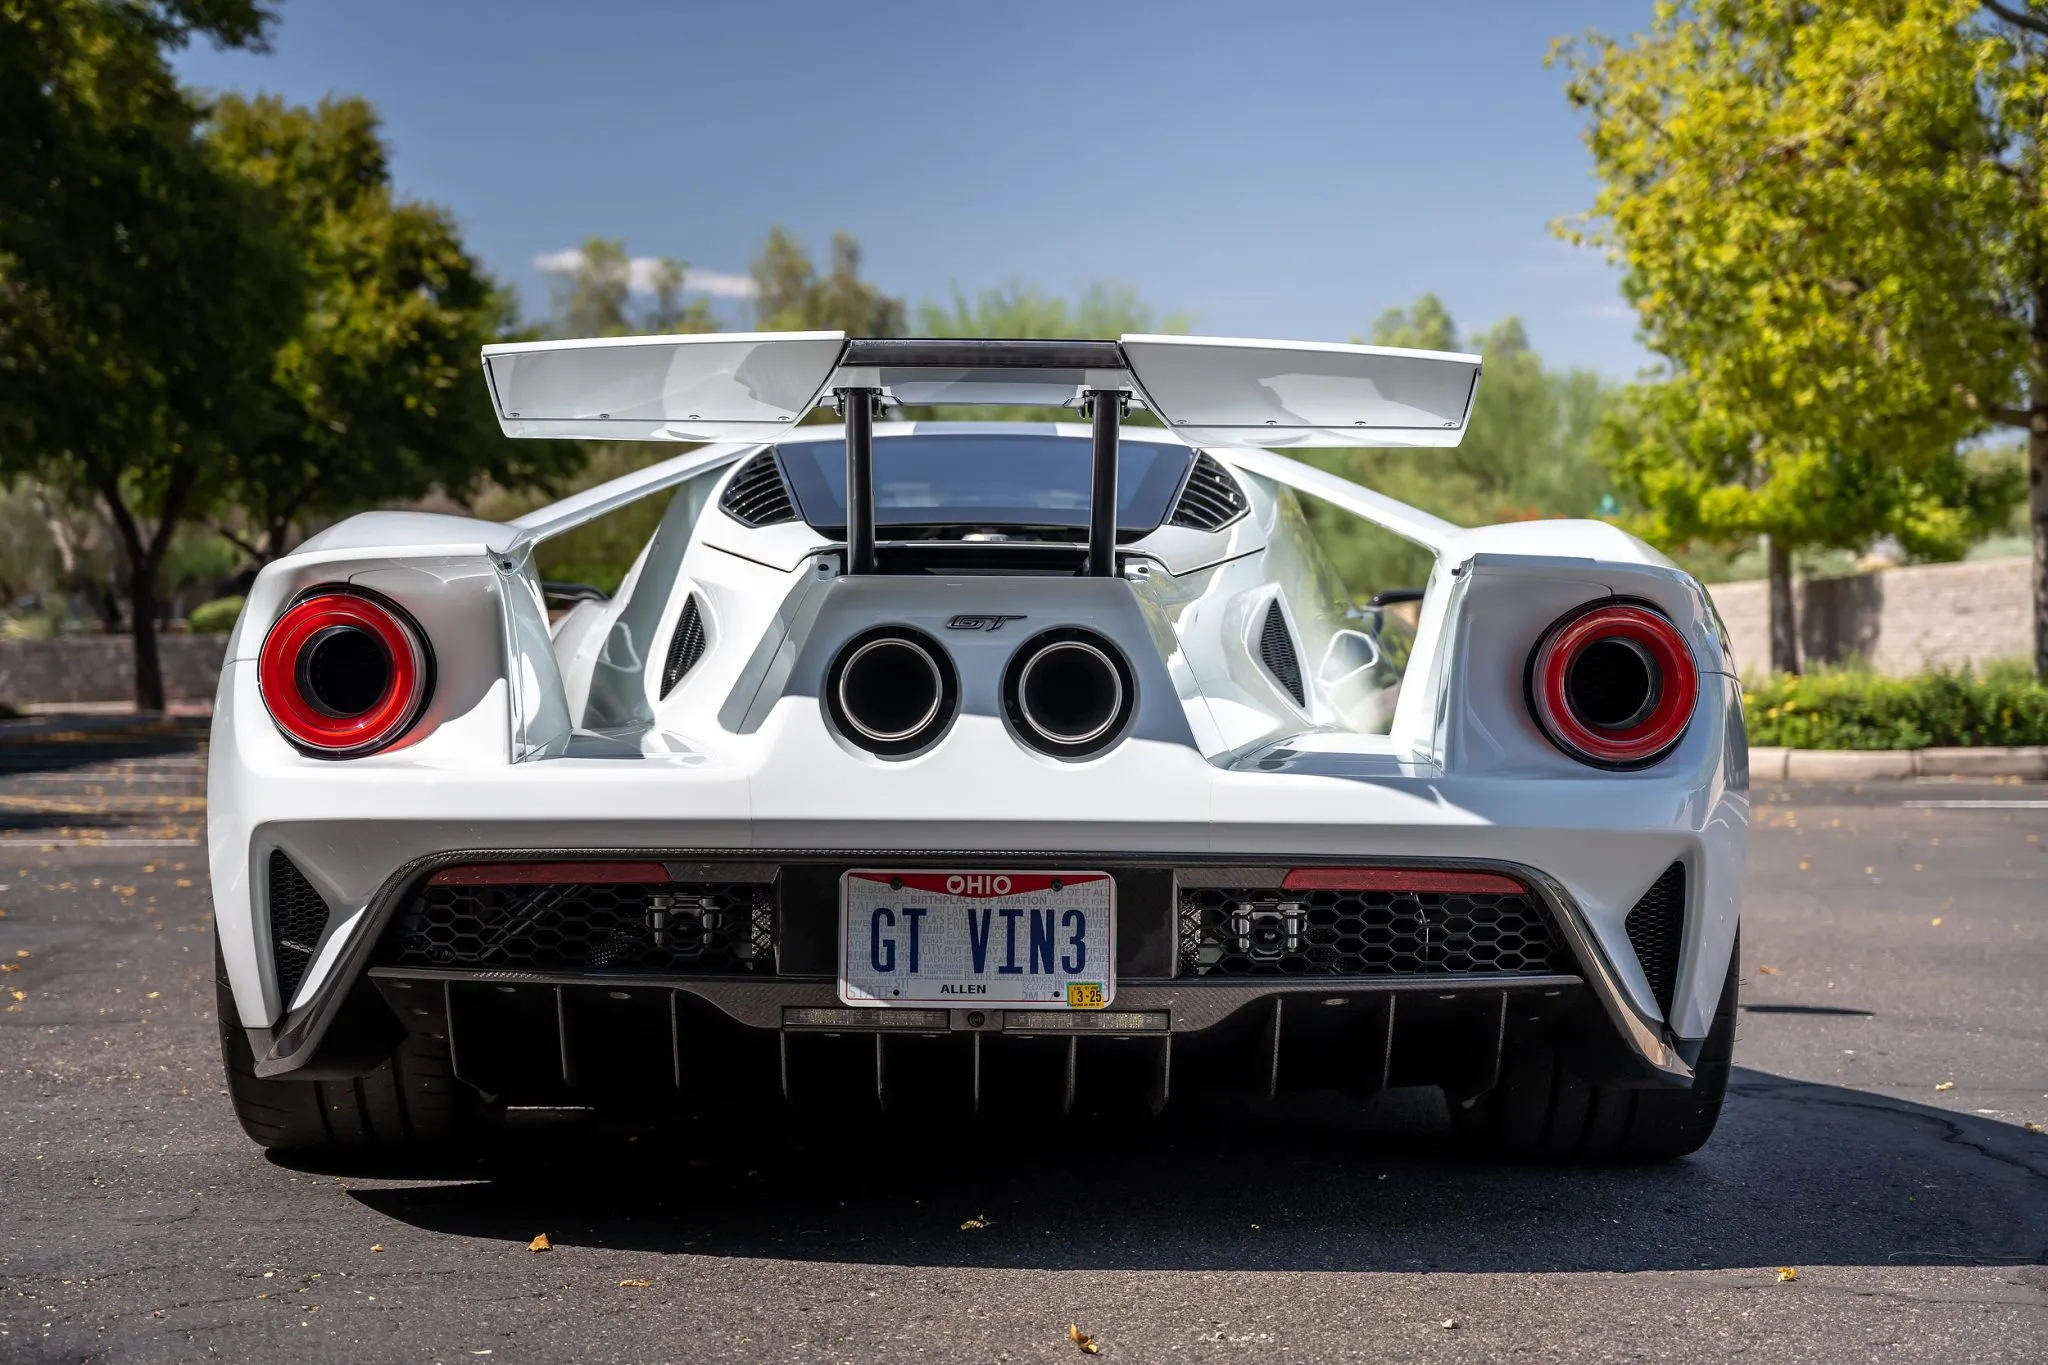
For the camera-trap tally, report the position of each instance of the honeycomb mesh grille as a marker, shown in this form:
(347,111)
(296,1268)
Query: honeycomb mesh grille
(1210,500)
(1237,933)
(685,647)
(1276,651)
(694,929)
(757,495)
(1656,930)
(298,917)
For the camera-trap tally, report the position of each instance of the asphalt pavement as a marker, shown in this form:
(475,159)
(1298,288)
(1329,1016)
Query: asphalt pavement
(1893,1051)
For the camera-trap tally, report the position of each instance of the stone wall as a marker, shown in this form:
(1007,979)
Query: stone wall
(101,668)
(1900,621)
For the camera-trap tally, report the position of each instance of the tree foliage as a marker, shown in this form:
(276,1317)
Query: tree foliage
(143,289)
(1831,224)
(795,297)
(375,397)
(595,298)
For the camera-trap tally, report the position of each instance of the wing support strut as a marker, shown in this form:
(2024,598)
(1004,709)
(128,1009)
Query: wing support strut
(1105,409)
(858,406)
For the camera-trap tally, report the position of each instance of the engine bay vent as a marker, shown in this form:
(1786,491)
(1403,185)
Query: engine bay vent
(1210,500)
(1276,651)
(298,917)
(757,495)
(685,646)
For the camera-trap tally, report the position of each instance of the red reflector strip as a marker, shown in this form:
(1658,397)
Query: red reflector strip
(547,874)
(1400,879)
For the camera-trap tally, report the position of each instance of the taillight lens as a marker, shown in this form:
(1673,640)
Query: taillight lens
(344,673)
(1613,685)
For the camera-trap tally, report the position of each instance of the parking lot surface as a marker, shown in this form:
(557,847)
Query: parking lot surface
(1893,1053)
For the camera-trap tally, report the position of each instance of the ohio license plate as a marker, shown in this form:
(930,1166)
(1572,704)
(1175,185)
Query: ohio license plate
(1044,939)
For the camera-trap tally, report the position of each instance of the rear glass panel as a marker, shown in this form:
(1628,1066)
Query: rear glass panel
(953,480)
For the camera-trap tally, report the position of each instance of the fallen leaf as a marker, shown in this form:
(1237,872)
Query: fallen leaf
(636,1284)
(1762,970)
(2034,1127)
(1786,1272)
(975,1224)
(151,996)
(540,1243)
(19,995)
(1936,921)
(1804,864)
(377,1247)
(1945,1085)
(1082,1340)
(1448,1324)
(10,966)
(21,952)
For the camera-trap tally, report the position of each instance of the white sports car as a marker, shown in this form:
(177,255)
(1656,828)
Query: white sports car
(975,766)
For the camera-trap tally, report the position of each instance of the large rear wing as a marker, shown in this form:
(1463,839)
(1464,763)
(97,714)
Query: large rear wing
(751,386)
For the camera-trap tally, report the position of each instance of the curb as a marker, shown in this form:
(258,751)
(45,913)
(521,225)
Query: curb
(1878,765)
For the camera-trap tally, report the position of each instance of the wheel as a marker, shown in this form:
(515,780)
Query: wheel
(411,1103)
(1541,1111)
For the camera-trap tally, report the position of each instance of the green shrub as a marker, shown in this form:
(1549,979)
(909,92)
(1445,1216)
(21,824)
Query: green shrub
(1855,709)
(214,618)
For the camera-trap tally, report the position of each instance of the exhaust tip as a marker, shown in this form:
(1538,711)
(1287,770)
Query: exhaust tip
(1069,693)
(892,691)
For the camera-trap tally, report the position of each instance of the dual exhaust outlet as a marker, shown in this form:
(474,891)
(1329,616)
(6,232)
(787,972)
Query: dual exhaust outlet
(894,692)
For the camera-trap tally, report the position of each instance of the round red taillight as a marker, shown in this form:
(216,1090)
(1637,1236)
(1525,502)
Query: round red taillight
(344,673)
(1613,685)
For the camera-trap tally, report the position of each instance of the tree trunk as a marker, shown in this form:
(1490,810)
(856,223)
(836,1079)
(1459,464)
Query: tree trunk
(2037,515)
(1784,618)
(149,676)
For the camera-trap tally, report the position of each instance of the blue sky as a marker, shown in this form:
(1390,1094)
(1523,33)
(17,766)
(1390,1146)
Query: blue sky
(1276,169)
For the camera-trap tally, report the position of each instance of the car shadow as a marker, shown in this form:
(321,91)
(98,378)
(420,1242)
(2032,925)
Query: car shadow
(1797,1174)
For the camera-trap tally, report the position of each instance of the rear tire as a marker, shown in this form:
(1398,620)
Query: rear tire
(1541,1111)
(412,1103)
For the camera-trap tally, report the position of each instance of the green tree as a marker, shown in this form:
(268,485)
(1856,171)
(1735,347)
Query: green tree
(794,297)
(593,297)
(1103,312)
(1831,222)
(375,396)
(143,286)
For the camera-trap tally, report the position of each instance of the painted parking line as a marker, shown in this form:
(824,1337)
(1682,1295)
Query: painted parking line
(1975,805)
(99,843)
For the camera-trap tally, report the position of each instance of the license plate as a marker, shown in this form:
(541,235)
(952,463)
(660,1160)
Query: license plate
(1044,939)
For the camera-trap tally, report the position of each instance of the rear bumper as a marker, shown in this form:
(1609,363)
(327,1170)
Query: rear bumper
(1448,1022)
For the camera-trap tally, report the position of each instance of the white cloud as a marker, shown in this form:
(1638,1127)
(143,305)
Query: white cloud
(640,275)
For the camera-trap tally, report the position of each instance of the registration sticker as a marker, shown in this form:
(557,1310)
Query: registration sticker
(1085,995)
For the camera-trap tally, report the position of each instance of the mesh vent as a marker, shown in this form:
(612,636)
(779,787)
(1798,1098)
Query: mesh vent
(757,496)
(698,929)
(1238,933)
(1656,930)
(1276,650)
(685,647)
(1210,500)
(297,919)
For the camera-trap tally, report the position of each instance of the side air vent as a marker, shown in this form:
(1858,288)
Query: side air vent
(1276,651)
(685,647)
(1656,930)
(1210,500)
(297,919)
(757,496)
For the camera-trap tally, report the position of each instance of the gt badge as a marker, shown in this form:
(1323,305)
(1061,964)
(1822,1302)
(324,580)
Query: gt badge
(979,622)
